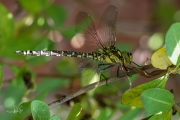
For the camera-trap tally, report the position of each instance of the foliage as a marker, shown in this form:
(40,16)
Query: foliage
(32,32)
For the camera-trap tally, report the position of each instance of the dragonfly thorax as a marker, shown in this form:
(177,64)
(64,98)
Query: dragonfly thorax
(114,55)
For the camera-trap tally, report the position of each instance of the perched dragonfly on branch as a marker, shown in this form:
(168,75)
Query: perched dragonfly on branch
(105,53)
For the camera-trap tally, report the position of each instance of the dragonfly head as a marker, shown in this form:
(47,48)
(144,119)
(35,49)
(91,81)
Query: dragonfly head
(127,57)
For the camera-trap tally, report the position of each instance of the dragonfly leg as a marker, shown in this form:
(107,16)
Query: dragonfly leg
(127,69)
(102,70)
(133,67)
(103,77)
(136,64)
(118,71)
(122,66)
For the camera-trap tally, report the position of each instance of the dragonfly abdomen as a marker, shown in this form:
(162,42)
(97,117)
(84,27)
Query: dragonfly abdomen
(93,55)
(103,56)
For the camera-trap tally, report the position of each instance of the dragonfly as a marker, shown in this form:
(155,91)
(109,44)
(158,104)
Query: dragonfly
(103,41)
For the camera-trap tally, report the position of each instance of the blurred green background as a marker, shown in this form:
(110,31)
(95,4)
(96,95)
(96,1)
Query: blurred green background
(48,25)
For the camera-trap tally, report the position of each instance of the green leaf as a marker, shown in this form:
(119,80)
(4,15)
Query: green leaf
(54,117)
(14,93)
(89,76)
(160,59)
(157,100)
(162,116)
(45,44)
(25,111)
(131,114)
(75,111)
(26,106)
(34,6)
(13,96)
(68,33)
(40,110)
(1,74)
(105,114)
(6,27)
(58,14)
(67,67)
(55,83)
(21,43)
(133,96)
(42,95)
(165,7)
(172,42)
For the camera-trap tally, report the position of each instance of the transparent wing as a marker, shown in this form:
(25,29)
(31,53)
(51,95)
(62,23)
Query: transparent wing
(86,32)
(107,26)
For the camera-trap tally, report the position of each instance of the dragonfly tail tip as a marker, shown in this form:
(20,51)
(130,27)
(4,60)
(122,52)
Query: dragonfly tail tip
(19,52)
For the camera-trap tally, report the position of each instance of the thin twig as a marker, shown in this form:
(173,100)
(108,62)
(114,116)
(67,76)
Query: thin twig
(81,91)
(176,107)
(156,73)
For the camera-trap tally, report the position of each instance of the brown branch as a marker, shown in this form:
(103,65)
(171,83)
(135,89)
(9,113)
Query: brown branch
(142,71)
(177,107)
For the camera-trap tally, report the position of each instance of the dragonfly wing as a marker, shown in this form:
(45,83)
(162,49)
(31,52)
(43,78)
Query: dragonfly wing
(107,26)
(86,32)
